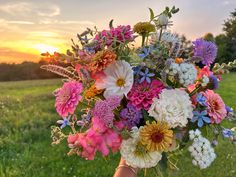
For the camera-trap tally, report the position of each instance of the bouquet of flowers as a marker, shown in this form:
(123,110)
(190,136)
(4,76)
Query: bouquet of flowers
(148,102)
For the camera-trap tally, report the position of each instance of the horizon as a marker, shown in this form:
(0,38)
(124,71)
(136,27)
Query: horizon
(29,28)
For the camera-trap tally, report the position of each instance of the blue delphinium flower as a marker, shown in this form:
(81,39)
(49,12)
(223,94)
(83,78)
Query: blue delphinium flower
(201,99)
(200,117)
(146,76)
(64,122)
(227,133)
(146,52)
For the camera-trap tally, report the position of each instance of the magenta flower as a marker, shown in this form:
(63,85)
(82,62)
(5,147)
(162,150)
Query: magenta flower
(68,97)
(141,95)
(216,107)
(119,34)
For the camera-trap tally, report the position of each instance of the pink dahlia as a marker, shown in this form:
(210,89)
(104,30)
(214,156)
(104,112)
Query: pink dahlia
(68,97)
(216,107)
(141,95)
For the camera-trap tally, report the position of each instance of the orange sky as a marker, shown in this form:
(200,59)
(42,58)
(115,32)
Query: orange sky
(29,27)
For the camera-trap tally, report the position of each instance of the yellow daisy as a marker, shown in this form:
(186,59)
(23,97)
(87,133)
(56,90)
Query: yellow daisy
(156,136)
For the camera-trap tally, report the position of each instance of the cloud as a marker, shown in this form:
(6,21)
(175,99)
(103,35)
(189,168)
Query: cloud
(16,7)
(65,22)
(229,2)
(49,11)
(26,8)
(20,22)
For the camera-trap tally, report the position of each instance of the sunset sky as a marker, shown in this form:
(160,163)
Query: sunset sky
(30,27)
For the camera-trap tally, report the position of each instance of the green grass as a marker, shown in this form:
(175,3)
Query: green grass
(26,114)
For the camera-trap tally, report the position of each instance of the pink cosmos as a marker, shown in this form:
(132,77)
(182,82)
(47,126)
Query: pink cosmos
(68,97)
(216,107)
(141,95)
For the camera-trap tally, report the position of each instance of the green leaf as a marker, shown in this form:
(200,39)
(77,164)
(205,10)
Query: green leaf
(111,23)
(151,14)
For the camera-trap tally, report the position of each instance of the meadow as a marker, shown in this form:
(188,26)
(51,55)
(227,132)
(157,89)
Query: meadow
(26,114)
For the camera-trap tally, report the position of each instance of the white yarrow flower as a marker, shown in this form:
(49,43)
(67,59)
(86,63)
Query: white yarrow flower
(173,107)
(201,151)
(118,80)
(163,20)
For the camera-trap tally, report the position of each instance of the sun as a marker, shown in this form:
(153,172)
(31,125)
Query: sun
(43,48)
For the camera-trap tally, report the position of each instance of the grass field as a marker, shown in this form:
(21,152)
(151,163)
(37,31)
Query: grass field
(26,114)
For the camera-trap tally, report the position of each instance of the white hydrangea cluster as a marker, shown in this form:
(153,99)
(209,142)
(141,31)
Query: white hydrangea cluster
(201,150)
(205,81)
(173,106)
(186,72)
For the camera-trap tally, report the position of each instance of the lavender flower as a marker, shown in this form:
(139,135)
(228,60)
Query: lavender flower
(206,50)
(146,76)
(131,116)
(200,117)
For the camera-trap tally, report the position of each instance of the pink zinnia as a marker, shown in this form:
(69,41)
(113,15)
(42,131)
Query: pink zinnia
(216,107)
(68,97)
(141,95)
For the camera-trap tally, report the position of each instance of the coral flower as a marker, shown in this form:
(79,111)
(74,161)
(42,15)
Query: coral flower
(92,92)
(141,95)
(156,136)
(68,97)
(216,107)
(101,60)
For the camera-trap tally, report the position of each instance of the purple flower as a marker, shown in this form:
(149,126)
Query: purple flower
(131,116)
(214,83)
(206,50)
(146,76)
(200,117)
(201,99)
(227,133)
(64,122)
(113,101)
(228,109)
(103,111)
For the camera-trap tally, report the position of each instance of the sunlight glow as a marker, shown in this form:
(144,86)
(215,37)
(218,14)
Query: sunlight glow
(43,48)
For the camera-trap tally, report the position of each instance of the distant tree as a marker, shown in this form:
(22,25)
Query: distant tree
(209,37)
(227,42)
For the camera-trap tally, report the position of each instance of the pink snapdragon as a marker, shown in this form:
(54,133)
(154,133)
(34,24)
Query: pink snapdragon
(98,138)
